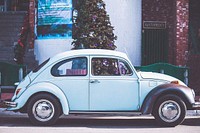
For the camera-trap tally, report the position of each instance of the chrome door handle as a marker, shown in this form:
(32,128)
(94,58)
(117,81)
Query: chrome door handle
(94,81)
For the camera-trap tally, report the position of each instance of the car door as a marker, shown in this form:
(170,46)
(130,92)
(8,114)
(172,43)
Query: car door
(71,76)
(113,85)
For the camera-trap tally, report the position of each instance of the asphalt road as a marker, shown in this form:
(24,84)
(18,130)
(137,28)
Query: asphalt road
(116,124)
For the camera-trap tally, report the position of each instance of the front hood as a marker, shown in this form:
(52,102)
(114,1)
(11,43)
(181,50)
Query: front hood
(159,76)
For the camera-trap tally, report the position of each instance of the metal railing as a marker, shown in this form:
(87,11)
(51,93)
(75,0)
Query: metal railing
(9,73)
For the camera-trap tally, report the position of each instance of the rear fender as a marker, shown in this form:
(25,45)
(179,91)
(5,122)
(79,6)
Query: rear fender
(46,87)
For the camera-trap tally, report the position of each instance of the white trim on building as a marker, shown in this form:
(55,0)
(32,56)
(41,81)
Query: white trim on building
(125,16)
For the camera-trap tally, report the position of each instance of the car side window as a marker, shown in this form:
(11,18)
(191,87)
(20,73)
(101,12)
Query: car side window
(105,67)
(124,68)
(71,67)
(110,67)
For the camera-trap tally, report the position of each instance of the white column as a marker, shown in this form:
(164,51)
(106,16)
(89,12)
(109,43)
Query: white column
(46,48)
(126,17)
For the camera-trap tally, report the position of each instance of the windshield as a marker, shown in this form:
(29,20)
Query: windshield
(40,66)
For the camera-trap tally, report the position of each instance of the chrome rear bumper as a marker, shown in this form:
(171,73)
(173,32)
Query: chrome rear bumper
(9,104)
(196,105)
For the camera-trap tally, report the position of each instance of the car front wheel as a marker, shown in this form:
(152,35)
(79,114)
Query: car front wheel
(170,110)
(43,109)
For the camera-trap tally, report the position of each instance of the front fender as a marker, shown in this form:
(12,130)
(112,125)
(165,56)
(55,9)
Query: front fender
(182,91)
(42,87)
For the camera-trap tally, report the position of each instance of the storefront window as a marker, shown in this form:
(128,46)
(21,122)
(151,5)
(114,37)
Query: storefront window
(54,19)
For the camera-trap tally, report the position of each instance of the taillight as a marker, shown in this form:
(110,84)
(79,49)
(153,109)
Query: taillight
(17,91)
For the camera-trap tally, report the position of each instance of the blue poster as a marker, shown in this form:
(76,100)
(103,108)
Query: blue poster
(54,19)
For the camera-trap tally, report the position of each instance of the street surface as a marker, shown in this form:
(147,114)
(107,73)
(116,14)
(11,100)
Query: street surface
(18,123)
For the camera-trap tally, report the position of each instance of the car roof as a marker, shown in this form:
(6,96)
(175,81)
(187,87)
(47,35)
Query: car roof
(91,52)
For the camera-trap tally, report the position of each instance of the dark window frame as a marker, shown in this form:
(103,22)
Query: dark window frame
(128,67)
(57,65)
(40,66)
(118,67)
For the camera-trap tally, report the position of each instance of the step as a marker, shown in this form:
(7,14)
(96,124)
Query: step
(6,48)
(9,33)
(6,25)
(10,29)
(7,44)
(10,60)
(6,39)
(11,20)
(12,14)
(7,53)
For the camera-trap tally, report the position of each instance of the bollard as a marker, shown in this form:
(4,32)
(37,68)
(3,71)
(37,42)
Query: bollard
(0,78)
(186,77)
(20,74)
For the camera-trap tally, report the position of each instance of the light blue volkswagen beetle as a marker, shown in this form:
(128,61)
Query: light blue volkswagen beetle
(81,81)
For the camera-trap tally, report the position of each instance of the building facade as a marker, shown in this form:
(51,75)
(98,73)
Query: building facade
(149,31)
(182,33)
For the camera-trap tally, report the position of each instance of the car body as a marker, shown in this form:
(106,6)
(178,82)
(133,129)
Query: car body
(93,81)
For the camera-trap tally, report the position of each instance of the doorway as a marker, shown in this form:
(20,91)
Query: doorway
(154,46)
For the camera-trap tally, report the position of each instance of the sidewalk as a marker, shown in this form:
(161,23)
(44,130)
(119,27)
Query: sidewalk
(4,113)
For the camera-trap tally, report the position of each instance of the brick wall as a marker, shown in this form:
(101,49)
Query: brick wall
(162,10)
(182,31)
(32,22)
(176,15)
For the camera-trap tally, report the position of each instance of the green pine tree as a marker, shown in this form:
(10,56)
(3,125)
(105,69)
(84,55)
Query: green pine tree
(92,28)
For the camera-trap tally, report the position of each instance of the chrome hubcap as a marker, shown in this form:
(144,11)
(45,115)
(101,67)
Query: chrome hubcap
(43,110)
(169,111)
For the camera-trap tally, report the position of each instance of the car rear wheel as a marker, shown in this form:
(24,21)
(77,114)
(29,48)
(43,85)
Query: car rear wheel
(170,110)
(43,109)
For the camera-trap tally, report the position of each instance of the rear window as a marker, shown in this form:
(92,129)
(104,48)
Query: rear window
(71,67)
(40,66)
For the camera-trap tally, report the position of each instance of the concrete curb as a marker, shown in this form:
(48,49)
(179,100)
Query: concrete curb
(4,113)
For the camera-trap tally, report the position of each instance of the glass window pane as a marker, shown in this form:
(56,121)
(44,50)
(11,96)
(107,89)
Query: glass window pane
(105,67)
(124,68)
(71,67)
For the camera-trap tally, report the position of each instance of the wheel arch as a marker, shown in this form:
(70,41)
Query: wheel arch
(41,88)
(181,91)
(24,108)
